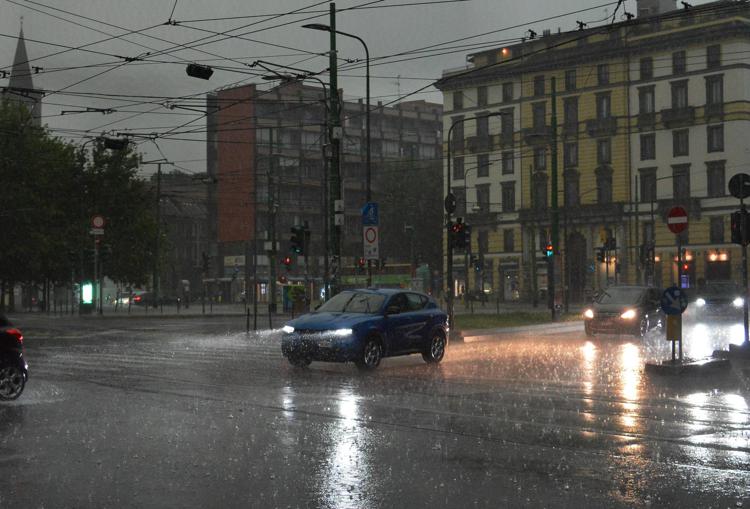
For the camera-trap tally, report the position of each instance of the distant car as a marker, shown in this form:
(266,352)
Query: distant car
(364,326)
(624,310)
(141,298)
(718,298)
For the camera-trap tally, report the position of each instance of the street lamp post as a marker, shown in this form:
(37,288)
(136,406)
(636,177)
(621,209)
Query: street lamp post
(368,162)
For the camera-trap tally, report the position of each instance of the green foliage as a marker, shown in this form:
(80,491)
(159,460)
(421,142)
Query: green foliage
(50,193)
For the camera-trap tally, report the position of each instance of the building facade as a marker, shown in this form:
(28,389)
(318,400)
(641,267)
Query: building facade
(649,114)
(268,156)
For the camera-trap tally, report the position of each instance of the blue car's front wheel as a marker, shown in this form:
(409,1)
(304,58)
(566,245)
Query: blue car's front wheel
(372,353)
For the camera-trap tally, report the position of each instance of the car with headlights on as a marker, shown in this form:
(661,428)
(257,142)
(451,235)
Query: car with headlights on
(624,309)
(364,326)
(718,299)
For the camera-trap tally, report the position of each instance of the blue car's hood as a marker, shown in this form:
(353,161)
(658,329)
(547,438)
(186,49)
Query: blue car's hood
(328,321)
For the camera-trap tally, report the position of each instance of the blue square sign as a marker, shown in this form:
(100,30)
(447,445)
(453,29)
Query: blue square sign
(370,214)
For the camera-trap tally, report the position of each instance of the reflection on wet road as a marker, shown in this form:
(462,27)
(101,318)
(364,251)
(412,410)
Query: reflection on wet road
(189,417)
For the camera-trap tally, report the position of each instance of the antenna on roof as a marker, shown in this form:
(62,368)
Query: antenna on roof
(581,25)
(532,34)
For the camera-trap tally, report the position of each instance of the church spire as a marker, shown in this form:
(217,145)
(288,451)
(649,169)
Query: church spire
(21,86)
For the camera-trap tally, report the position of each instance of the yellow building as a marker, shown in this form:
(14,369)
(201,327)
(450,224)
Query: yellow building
(649,115)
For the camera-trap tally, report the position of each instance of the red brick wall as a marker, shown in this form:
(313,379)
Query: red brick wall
(236,151)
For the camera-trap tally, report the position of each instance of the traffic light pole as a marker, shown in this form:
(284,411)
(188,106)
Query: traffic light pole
(743,216)
(335,126)
(271,233)
(554,211)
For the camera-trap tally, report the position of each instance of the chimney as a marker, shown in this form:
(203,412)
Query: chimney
(653,7)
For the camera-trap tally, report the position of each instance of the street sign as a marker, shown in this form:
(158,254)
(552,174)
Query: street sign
(677,219)
(674,327)
(370,237)
(96,231)
(739,186)
(673,301)
(450,203)
(370,214)
(97,221)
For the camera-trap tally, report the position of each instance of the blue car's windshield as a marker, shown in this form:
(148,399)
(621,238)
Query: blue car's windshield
(353,302)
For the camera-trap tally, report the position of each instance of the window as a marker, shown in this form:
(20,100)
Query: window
(540,159)
(507,92)
(509,196)
(540,191)
(647,68)
(678,62)
(680,142)
(604,151)
(508,241)
(648,185)
(458,168)
(716,234)
(715,135)
(648,146)
(538,114)
(460,194)
(604,185)
(508,163)
(570,155)
(483,125)
(603,106)
(538,85)
(570,80)
(681,181)
(713,56)
(602,74)
(572,187)
(679,94)
(482,96)
(506,124)
(483,198)
(483,243)
(483,165)
(714,90)
(715,179)
(458,100)
(570,114)
(646,99)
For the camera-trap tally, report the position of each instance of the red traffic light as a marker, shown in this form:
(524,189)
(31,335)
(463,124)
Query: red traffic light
(361,262)
(287,260)
(549,250)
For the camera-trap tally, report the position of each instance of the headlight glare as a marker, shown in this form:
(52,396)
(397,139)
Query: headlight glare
(288,329)
(700,302)
(629,314)
(342,332)
(589,313)
(738,302)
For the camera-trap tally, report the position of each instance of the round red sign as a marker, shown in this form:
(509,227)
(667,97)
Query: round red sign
(97,221)
(677,219)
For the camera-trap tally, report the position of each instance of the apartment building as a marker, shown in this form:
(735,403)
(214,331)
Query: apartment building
(649,114)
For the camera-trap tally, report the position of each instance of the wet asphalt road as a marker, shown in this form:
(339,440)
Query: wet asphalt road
(195,413)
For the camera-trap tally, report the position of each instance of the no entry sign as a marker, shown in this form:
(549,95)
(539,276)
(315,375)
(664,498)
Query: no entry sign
(677,219)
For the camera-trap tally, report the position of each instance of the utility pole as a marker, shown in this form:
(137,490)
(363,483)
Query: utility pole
(336,204)
(555,219)
(157,284)
(271,231)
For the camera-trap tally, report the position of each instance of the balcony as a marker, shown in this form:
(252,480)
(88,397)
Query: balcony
(537,135)
(714,111)
(602,127)
(504,140)
(647,121)
(674,117)
(589,213)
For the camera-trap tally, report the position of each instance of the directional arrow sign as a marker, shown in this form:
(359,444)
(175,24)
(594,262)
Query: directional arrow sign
(677,219)
(739,186)
(674,301)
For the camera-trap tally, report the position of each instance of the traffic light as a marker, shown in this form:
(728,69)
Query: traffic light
(361,262)
(737,227)
(206,263)
(477,264)
(600,255)
(549,250)
(287,261)
(456,233)
(466,241)
(297,240)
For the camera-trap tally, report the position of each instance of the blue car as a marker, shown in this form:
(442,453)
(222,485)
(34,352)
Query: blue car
(363,326)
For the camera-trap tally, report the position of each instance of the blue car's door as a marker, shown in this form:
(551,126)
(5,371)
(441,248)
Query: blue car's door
(410,326)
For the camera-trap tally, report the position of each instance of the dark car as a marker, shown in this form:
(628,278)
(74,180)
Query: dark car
(624,310)
(363,326)
(13,368)
(718,299)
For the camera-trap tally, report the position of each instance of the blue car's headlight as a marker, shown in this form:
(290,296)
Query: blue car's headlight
(288,329)
(342,332)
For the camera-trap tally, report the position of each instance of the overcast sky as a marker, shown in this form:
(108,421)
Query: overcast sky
(387,31)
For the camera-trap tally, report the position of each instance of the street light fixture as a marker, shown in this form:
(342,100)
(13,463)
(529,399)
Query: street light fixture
(368,164)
